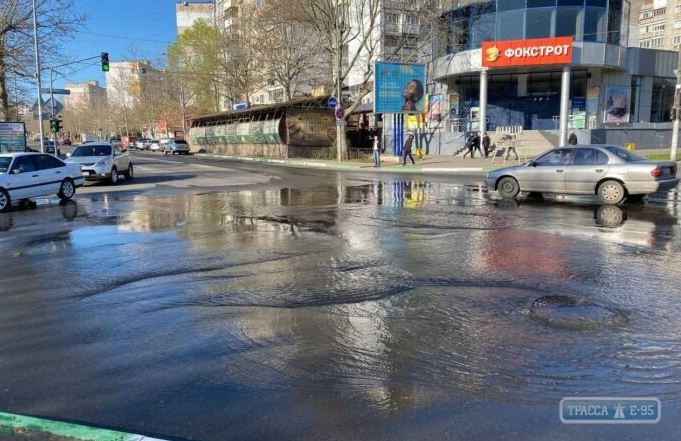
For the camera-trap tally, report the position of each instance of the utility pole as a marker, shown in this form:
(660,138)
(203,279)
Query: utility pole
(677,109)
(37,76)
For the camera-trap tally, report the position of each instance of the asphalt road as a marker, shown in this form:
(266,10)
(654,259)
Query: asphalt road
(212,300)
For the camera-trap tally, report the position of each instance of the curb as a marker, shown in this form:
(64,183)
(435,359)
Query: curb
(22,424)
(392,168)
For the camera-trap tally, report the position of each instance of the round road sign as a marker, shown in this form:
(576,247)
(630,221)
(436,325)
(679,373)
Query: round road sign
(331,102)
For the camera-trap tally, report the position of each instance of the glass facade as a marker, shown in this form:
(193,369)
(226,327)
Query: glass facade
(587,20)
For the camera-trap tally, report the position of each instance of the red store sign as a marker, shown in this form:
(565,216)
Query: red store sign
(535,52)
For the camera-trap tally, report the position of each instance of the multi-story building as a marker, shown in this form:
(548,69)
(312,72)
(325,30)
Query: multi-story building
(659,23)
(187,13)
(130,82)
(500,64)
(84,96)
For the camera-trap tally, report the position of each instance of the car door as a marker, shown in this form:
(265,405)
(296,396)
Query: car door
(588,166)
(52,172)
(546,173)
(121,158)
(24,179)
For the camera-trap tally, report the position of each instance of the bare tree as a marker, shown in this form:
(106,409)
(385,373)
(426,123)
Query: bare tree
(56,22)
(289,49)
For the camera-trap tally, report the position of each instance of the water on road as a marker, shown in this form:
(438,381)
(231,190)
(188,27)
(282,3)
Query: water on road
(355,309)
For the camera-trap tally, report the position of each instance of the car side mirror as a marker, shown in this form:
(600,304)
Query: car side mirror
(68,155)
(15,171)
(532,164)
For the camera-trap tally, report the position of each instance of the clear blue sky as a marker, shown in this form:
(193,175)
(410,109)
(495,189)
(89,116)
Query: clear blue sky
(126,29)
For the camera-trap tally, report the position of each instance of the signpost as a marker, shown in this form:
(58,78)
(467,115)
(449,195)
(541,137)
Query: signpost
(331,102)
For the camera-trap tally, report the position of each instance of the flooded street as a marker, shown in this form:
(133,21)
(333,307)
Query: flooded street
(350,307)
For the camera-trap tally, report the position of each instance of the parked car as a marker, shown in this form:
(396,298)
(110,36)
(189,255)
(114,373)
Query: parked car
(142,143)
(102,161)
(25,175)
(155,145)
(610,172)
(178,146)
(65,141)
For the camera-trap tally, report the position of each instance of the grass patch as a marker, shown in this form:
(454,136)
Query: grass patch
(661,156)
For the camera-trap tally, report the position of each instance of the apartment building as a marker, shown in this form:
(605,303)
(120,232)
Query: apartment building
(84,96)
(129,83)
(659,23)
(188,13)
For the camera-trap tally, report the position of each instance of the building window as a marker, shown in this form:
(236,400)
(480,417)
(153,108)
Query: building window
(569,22)
(539,22)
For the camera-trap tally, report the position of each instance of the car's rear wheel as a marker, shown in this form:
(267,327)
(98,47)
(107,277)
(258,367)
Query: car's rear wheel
(67,190)
(508,188)
(611,192)
(114,176)
(129,173)
(5,201)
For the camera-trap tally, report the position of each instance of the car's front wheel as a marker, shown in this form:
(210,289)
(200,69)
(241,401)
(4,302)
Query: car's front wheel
(129,173)
(67,190)
(611,192)
(114,176)
(508,188)
(5,201)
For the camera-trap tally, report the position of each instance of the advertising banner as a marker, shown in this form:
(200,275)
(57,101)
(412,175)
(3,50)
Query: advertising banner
(12,137)
(533,52)
(399,88)
(616,105)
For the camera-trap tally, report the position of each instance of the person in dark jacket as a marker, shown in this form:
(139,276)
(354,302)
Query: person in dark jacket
(407,149)
(486,145)
(572,139)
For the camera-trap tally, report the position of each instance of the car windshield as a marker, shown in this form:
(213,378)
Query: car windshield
(180,142)
(4,163)
(92,150)
(624,154)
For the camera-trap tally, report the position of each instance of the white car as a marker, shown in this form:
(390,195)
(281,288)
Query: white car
(155,145)
(25,175)
(102,161)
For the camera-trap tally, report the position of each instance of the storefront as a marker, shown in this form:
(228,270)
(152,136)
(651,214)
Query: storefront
(550,65)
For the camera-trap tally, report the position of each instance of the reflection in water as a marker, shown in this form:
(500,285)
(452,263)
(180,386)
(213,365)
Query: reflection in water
(371,299)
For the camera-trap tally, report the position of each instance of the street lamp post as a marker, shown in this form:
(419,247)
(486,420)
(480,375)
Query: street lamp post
(37,76)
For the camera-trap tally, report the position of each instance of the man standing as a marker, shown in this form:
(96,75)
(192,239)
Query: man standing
(486,144)
(572,139)
(407,149)
(377,152)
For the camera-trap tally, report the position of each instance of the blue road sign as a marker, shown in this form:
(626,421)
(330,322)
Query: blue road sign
(331,102)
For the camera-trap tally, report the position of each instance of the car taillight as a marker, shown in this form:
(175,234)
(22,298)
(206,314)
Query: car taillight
(656,172)
(673,170)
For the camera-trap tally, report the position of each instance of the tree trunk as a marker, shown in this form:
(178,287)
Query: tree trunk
(4,98)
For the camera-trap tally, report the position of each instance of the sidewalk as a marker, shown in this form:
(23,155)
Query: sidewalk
(393,164)
(389,164)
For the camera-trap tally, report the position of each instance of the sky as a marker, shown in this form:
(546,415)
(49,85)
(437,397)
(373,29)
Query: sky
(126,29)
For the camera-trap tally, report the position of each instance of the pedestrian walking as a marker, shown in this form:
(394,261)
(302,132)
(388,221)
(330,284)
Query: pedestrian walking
(572,139)
(469,146)
(377,151)
(476,145)
(486,144)
(407,149)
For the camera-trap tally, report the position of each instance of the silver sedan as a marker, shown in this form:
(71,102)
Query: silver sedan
(608,171)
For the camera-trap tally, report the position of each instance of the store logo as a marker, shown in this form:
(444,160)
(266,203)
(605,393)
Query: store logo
(533,52)
(492,53)
(610,410)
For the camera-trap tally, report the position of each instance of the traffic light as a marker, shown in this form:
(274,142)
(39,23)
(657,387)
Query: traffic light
(54,125)
(105,61)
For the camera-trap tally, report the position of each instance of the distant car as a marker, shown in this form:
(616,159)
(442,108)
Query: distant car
(102,161)
(65,141)
(25,175)
(155,145)
(176,146)
(610,172)
(142,143)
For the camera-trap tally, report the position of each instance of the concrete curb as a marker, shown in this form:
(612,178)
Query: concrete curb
(25,424)
(331,165)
